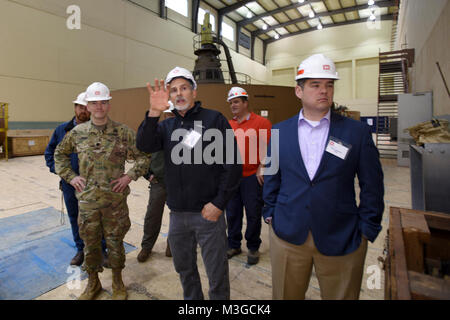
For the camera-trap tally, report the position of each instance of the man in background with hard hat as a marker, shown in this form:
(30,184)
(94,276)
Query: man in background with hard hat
(197,192)
(310,203)
(252,133)
(81,115)
(156,202)
(103,147)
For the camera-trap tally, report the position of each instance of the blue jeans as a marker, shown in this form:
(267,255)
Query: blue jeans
(72,211)
(249,195)
(186,230)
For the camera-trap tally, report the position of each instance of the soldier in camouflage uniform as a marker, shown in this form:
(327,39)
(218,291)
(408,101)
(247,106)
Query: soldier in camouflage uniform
(103,146)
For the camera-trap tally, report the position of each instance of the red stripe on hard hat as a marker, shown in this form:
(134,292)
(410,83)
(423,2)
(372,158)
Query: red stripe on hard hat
(301,71)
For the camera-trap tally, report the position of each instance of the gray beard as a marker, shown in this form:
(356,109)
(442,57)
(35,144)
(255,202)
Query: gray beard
(181,108)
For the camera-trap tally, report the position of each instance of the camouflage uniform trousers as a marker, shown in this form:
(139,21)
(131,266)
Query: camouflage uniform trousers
(109,216)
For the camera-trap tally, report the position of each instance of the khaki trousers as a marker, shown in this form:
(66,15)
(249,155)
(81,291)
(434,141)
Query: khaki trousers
(339,277)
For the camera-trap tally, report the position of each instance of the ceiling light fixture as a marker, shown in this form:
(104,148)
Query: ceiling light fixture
(371,2)
(320,26)
(277,36)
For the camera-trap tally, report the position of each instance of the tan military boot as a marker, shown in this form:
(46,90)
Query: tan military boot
(93,288)
(119,290)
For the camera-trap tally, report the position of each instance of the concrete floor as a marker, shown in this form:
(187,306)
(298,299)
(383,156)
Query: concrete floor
(27,185)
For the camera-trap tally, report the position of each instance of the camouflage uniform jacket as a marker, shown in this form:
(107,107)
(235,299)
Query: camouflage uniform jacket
(102,156)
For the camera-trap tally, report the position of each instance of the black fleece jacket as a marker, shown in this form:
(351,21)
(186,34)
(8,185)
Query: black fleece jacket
(191,185)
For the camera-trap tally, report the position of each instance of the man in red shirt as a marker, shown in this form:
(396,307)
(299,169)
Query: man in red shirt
(252,133)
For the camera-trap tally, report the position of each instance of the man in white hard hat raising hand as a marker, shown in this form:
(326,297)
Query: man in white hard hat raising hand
(197,189)
(310,203)
(103,147)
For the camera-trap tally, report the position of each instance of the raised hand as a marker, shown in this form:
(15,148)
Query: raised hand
(159,98)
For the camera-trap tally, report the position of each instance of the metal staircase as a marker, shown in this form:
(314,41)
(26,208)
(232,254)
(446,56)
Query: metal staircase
(392,81)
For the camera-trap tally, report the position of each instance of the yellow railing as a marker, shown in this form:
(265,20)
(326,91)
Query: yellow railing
(4,128)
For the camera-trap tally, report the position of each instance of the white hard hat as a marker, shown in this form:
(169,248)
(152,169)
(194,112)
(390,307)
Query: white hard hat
(81,99)
(97,92)
(236,92)
(317,67)
(178,72)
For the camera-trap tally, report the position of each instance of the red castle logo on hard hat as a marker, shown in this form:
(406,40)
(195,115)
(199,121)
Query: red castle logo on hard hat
(326,67)
(97,93)
(302,71)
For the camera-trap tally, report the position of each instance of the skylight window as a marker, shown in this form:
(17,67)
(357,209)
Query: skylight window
(180,6)
(227,31)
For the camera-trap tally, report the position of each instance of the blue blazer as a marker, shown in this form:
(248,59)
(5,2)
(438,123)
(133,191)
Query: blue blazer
(326,205)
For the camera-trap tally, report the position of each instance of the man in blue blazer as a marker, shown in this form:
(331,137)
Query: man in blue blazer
(310,201)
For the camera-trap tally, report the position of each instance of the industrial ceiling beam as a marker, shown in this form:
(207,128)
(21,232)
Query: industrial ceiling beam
(380,4)
(225,10)
(382,18)
(275,11)
(233,7)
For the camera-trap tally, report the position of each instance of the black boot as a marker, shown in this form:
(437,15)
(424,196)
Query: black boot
(143,254)
(78,259)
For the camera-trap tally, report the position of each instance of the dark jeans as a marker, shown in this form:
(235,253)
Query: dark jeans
(153,216)
(72,211)
(186,230)
(249,195)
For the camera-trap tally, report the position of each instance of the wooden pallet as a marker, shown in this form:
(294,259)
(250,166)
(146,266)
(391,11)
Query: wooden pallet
(418,241)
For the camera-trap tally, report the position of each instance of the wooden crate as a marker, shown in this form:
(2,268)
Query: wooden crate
(418,255)
(27,145)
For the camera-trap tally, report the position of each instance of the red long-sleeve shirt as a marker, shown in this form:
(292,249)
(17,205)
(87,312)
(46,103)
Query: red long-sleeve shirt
(248,138)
